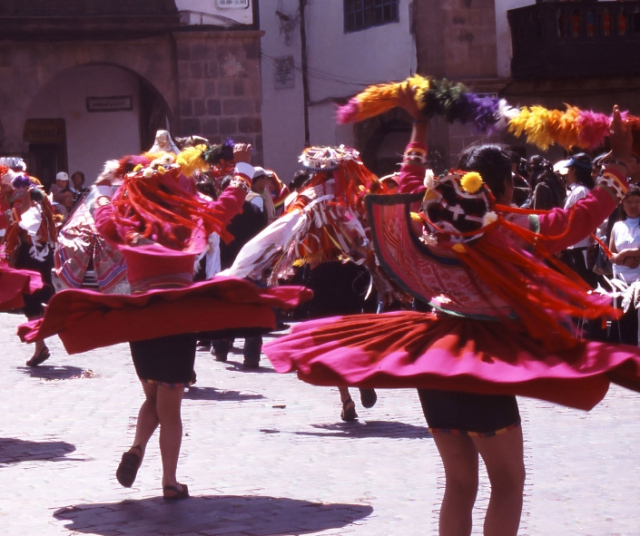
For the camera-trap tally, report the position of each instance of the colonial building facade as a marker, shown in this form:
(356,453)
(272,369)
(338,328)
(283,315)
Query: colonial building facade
(84,81)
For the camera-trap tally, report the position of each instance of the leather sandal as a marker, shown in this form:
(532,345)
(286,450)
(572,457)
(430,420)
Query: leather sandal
(128,468)
(348,411)
(40,357)
(177,494)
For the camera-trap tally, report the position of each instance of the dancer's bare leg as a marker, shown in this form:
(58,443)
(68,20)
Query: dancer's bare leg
(460,459)
(169,401)
(504,458)
(147,417)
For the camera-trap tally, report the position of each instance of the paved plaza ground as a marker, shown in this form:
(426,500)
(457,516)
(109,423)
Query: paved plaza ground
(265,454)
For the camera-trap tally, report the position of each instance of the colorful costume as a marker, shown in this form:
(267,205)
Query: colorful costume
(79,245)
(30,235)
(160,228)
(327,222)
(502,320)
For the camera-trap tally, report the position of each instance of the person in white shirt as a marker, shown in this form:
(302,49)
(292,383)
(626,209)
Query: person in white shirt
(577,176)
(625,246)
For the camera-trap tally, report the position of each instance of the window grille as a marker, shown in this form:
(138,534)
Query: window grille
(363,14)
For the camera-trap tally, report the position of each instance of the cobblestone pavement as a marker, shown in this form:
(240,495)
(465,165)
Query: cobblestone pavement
(265,454)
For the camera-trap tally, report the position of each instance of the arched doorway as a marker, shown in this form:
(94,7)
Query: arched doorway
(88,115)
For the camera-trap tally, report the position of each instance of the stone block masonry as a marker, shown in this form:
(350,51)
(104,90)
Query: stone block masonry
(219,86)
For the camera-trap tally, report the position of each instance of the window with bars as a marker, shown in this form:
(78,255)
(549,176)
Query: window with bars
(363,14)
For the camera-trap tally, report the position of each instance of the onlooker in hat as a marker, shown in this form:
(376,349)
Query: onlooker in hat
(62,184)
(260,194)
(579,181)
(279,191)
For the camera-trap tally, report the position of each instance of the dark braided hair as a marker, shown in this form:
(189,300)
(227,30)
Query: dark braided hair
(492,161)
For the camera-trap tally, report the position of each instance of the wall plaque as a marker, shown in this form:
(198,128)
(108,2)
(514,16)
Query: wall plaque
(285,76)
(44,131)
(120,103)
(232,4)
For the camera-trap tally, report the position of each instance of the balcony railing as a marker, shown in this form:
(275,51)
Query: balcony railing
(575,39)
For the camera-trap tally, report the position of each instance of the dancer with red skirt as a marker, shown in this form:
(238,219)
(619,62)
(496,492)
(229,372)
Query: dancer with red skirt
(160,228)
(502,320)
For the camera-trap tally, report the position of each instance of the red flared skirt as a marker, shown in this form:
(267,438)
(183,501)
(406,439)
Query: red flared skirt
(424,350)
(15,283)
(85,320)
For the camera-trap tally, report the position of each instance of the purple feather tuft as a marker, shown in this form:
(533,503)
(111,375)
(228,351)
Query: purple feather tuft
(20,182)
(482,111)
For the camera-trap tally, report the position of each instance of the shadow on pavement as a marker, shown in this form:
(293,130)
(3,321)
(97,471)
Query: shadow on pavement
(220,515)
(13,450)
(396,430)
(52,372)
(210,393)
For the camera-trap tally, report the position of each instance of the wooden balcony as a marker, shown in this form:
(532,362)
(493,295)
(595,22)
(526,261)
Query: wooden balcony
(52,20)
(575,39)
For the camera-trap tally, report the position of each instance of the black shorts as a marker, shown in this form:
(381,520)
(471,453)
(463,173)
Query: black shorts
(33,307)
(468,413)
(165,360)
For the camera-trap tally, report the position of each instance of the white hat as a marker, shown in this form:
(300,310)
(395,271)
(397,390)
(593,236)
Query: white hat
(259,172)
(562,167)
(62,176)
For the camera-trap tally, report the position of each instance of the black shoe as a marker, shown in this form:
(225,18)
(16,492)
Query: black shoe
(128,468)
(252,349)
(39,358)
(368,397)
(220,348)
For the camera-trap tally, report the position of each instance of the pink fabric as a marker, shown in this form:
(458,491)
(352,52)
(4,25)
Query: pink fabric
(409,349)
(85,320)
(15,283)
(411,180)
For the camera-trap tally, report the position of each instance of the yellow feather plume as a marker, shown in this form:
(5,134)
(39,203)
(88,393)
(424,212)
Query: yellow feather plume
(190,160)
(519,122)
(380,98)
(537,127)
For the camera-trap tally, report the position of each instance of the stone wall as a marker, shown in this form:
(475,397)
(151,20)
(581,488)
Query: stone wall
(27,68)
(210,80)
(456,39)
(219,86)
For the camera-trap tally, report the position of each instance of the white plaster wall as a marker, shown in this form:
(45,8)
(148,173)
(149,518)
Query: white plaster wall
(92,138)
(503,33)
(340,65)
